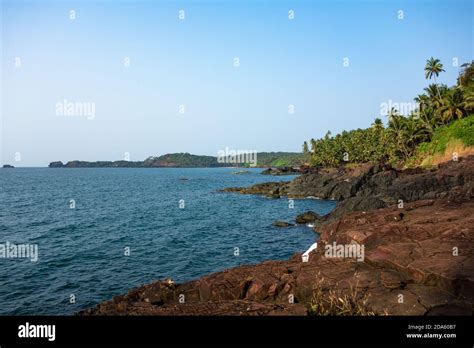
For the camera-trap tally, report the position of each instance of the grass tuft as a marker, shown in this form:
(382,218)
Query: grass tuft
(335,302)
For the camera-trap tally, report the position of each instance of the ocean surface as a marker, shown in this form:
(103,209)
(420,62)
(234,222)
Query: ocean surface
(81,250)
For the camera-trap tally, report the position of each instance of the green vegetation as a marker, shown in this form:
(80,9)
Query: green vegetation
(434,120)
(454,138)
(460,129)
(281,159)
(264,159)
(181,160)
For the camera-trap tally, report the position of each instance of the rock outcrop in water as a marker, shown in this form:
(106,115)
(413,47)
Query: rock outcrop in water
(369,187)
(280,223)
(282,171)
(268,189)
(417,257)
(307,217)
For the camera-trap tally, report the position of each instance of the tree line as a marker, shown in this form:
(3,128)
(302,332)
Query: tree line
(396,142)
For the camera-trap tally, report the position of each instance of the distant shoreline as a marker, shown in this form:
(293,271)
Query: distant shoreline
(187,160)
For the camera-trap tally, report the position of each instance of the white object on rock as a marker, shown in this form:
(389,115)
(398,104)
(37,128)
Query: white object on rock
(305,256)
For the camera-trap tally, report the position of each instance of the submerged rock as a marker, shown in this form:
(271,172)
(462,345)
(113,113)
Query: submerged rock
(241,172)
(280,223)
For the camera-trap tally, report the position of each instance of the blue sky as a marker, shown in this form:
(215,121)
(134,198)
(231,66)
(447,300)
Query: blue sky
(190,62)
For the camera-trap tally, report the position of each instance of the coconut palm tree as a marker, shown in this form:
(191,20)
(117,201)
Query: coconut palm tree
(432,69)
(377,123)
(429,119)
(452,105)
(423,101)
(469,100)
(435,94)
(392,113)
(396,130)
(416,132)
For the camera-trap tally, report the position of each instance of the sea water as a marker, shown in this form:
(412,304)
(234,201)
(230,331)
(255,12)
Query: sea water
(100,232)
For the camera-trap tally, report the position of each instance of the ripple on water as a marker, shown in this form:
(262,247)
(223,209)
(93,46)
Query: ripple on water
(81,251)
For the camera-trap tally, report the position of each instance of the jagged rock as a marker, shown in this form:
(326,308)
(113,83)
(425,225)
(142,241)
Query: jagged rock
(354,204)
(307,217)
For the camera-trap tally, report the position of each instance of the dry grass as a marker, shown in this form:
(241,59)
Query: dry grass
(454,146)
(336,302)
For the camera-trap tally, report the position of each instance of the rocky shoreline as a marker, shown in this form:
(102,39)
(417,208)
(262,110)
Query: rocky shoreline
(415,228)
(368,187)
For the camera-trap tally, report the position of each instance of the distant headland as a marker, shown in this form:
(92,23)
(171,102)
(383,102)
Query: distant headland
(187,160)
